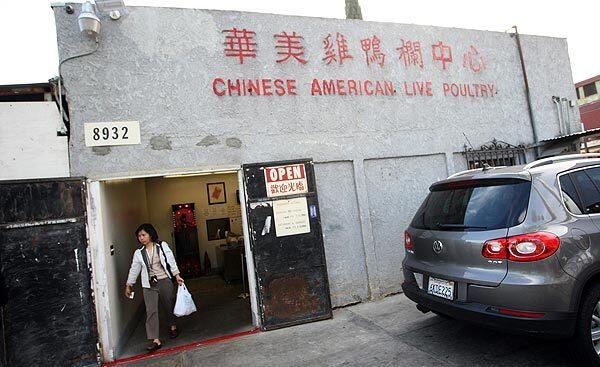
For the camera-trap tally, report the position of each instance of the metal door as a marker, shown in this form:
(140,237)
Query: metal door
(48,311)
(289,255)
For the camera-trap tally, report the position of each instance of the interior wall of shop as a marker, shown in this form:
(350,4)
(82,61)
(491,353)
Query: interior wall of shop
(124,208)
(29,146)
(375,156)
(164,192)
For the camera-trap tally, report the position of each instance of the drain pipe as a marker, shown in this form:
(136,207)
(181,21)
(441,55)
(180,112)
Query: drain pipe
(536,149)
(567,120)
(556,101)
(562,114)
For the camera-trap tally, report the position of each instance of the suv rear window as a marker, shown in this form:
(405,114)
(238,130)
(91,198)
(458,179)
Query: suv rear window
(474,205)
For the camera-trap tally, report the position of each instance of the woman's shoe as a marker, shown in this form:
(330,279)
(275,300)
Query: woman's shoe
(173,333)
(154,347)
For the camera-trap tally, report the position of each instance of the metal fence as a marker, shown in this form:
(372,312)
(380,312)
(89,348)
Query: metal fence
(495,153)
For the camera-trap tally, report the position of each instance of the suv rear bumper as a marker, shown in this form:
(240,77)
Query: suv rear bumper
(556,324)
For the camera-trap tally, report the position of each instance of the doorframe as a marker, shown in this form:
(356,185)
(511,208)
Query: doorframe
(97,246)
(248,252)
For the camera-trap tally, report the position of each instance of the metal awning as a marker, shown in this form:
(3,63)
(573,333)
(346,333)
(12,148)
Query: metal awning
(573,135)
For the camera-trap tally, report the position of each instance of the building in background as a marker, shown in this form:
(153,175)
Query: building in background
(588,100)
(33,141)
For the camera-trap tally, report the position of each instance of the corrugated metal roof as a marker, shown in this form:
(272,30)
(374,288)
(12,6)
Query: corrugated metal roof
(574,135)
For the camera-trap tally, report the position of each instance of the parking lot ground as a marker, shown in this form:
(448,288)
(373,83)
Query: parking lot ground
(389,332)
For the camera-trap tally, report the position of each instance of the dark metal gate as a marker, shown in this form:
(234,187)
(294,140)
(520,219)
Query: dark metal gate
(48,314)
(287,243)
(495,153)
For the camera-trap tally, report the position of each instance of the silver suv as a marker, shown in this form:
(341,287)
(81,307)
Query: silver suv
(514,248)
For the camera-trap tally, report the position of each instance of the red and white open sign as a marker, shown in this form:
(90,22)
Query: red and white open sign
(286,180)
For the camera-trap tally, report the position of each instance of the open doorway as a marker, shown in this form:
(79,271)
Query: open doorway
(200,217)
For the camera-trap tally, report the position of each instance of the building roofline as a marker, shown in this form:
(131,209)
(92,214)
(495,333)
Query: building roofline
(25,85)
(58,4)
(24,89)
(587,81)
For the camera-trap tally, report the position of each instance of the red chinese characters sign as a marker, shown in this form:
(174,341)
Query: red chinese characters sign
(442,53)
(289,46)
(241,46)
(372,48)
(239,43)
(336,53)
(410,53)
(286,180)
(473,60)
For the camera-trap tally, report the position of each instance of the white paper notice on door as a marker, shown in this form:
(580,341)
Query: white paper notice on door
(291,217)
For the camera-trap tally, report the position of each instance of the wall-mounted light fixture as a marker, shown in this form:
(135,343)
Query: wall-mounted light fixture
(90,25)
(88,21)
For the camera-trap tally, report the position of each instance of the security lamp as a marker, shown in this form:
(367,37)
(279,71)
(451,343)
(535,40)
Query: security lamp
(89,22)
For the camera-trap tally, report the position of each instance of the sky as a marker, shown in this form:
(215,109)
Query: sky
(28,36)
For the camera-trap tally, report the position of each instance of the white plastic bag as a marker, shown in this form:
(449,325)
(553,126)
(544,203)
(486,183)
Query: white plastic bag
(184,305)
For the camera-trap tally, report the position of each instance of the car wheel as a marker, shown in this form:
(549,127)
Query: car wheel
(585,344)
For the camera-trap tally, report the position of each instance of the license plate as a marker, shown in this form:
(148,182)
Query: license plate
(441,288)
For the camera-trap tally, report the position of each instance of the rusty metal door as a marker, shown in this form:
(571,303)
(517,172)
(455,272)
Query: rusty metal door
(287,243)
(48,316)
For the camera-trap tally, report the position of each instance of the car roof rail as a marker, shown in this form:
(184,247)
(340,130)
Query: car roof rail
(465,171)
(484,169)
(559,158)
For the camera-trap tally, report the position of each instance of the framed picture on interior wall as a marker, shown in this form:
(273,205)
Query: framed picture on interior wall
(216,193)
(216,228)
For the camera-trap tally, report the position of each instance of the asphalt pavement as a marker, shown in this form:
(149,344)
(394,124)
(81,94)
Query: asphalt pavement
(388,332)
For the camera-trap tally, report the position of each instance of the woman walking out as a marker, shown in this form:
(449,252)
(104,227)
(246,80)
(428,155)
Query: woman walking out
(155,261)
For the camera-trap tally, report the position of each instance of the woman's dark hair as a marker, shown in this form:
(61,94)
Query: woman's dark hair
(148,228)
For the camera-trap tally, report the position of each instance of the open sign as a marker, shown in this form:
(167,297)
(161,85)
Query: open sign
(286,180)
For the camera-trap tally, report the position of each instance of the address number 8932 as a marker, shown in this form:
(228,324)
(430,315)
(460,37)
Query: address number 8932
(110,133)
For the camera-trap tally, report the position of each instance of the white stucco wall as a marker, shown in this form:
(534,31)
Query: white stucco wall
(29,146)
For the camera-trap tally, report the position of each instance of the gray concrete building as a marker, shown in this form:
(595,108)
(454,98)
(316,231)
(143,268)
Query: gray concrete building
(382,110)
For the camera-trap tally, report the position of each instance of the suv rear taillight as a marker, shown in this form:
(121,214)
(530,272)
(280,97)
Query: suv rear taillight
(408,244)
(495,249)
(523,247)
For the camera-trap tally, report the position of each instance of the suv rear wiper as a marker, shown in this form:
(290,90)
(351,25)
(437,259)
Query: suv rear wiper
(458,226)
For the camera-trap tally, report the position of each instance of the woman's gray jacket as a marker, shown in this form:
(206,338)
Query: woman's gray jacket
(138,264)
